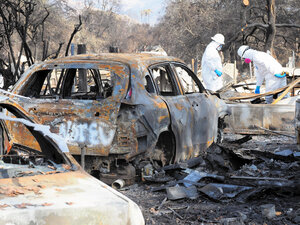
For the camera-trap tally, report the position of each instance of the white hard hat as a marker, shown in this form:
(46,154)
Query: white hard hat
(242,50)
(219,38)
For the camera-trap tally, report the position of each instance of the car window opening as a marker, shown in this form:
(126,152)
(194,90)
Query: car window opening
(187,81)
(163,81)
(91,84)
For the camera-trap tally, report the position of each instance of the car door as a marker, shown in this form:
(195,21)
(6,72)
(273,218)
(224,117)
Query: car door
(205,114)
(79,101)
(179,108)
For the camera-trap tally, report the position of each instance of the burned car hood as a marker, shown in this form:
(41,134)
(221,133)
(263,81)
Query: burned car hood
(64,198)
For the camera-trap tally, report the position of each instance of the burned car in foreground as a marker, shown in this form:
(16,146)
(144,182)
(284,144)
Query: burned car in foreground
(48,186)
(118,110)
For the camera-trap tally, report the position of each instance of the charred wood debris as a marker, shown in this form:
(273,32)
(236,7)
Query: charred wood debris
(233,171)
(227,172)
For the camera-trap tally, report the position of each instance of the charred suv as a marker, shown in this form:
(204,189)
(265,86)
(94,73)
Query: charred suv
(117,110)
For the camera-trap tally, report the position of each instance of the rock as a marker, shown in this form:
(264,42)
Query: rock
(268,210)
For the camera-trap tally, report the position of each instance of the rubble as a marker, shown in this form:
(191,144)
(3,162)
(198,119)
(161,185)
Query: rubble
(263,185)
(262,176)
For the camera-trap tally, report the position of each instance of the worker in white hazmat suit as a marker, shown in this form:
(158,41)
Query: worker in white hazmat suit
(265,68)
(212,64)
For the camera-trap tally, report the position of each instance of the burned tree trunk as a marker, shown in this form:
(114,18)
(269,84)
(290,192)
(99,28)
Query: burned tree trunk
(7,74)
(76,29)
(271,28)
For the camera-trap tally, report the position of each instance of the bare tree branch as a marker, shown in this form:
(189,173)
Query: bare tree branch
(287,25)
(76,29)
(55,53)
(247,26)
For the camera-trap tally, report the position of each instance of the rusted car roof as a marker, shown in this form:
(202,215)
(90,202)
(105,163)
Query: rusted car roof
(125,58)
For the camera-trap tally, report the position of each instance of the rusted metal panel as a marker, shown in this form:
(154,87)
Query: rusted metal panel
(194,123)
(205,125)
(78,122)
(51,187)
(150,110)
(247,118)
(182,125)
(81,122)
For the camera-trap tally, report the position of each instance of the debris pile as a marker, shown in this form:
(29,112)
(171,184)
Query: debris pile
(233,173)
(236,174)
(244,92)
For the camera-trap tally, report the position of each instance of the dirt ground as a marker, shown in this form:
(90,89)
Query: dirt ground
(157,209)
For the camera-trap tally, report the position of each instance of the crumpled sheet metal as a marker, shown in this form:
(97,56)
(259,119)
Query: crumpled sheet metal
(221,191)
(195,176)
(179,192)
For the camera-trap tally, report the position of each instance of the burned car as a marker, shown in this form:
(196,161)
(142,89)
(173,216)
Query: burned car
(47,186)
(116,110)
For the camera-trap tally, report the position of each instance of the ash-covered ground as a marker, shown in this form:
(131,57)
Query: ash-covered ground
(255,182)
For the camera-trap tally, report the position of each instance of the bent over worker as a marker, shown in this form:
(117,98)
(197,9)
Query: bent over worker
(212,64)
(265,68)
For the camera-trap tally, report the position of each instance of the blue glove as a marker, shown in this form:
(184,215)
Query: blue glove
(280,75)
(218,72)
(257,90)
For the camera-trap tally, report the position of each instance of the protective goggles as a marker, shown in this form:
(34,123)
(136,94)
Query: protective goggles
(219,47)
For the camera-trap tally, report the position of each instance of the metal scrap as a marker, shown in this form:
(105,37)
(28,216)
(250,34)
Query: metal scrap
(195,176)
(179,192)
(222,191)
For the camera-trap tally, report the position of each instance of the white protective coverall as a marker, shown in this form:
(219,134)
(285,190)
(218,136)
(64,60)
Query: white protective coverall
(211,61)
(265,68)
